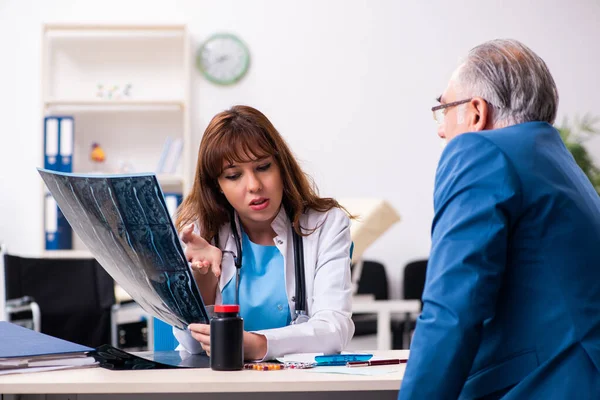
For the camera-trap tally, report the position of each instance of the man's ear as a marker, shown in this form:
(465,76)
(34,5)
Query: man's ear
(479,115)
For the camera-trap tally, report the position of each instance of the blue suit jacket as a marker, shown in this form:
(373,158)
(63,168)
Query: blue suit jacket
(512,298)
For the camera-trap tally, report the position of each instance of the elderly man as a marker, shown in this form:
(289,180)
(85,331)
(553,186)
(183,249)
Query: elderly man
(511,307)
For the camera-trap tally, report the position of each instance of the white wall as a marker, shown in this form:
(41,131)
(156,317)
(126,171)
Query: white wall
(348,83)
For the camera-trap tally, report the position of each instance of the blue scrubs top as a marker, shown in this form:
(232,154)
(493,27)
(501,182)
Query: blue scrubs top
(263,298)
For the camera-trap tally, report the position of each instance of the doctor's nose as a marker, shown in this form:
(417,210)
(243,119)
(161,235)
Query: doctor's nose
(254,184)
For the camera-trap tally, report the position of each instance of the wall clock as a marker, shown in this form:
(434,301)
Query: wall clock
(223,59)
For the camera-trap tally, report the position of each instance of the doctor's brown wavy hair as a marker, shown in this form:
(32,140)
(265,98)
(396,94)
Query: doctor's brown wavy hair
(238,135)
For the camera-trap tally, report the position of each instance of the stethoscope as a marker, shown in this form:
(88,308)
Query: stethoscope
(300,314)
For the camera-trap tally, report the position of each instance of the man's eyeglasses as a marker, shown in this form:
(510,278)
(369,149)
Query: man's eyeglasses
(439,112)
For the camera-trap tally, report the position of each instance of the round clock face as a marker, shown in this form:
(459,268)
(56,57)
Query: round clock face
(223,59)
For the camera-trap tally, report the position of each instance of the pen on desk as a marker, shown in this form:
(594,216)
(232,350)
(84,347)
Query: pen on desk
(376,362)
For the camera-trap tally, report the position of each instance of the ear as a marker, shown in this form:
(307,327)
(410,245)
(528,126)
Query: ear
(479,115)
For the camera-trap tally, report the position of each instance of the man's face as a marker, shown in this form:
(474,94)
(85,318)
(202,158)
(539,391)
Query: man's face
(454,121)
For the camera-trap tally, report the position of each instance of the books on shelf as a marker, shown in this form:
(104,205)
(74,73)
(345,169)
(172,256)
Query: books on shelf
(170,156)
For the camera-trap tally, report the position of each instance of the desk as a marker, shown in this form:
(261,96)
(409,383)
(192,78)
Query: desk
(180,384)
(384,310)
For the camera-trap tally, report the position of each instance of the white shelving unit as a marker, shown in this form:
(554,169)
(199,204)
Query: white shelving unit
(154,63)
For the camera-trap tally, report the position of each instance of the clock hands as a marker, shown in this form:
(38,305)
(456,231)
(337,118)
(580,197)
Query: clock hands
(222,58)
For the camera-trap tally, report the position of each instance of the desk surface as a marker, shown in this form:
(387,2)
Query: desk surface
(100,380)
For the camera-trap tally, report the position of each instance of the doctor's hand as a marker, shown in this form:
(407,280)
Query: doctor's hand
(255,345)
(201,254)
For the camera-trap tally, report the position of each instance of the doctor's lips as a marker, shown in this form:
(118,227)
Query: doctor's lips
(259,204)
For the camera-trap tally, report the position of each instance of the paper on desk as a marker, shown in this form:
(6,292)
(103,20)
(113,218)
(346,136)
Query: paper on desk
(364,371)
(44,369)
(299,358)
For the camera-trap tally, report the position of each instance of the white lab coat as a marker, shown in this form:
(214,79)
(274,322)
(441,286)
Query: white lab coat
(328,287)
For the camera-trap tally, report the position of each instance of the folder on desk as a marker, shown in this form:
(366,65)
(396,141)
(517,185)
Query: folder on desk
(22,348)
(20,342)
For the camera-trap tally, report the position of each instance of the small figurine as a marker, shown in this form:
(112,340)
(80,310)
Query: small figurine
(97,155)
(127,90)
(100,92)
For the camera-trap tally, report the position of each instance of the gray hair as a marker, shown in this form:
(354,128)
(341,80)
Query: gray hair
(513,79)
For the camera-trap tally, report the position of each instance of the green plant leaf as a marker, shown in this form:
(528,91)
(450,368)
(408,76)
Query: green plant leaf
(573,136)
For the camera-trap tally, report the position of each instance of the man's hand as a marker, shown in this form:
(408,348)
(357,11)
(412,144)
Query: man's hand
(202,256)
(255,345)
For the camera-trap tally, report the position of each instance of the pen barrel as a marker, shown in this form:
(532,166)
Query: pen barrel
(375,363)
(384,362)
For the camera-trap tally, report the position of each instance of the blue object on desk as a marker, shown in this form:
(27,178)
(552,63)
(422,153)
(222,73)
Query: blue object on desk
(18,341)
(340,359)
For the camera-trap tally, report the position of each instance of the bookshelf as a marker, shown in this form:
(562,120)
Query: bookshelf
(127,87)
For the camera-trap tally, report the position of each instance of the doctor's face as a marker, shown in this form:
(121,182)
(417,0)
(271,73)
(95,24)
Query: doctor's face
(254,189)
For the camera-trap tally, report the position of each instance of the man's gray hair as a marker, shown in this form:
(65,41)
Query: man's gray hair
(513,79)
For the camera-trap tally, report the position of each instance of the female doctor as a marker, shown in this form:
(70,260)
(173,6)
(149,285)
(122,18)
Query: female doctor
(249,225)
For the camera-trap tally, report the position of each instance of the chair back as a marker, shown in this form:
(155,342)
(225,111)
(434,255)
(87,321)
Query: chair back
(414,279)
(373,280)
(74,295)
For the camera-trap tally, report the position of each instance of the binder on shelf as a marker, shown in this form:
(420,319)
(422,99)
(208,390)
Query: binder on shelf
(58,232)
(58,156)
(66,144)
(173,200)
(58,143)
(51,144)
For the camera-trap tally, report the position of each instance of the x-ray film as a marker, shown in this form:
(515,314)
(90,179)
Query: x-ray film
(124,222)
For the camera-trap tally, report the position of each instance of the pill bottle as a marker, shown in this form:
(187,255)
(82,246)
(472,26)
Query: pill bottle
(226,339)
